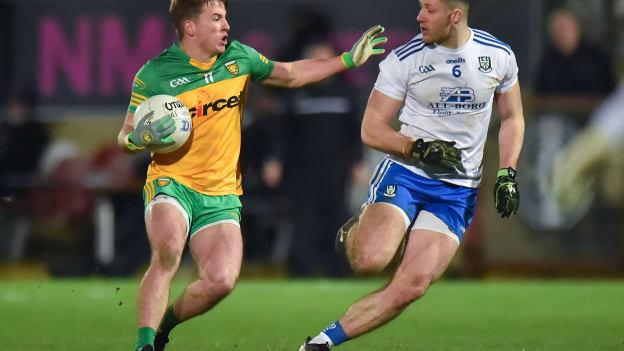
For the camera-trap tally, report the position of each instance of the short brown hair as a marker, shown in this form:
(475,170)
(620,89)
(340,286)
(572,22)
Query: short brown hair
(182,10)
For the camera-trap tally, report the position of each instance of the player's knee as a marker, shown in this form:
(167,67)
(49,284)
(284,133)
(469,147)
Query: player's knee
(407,292)
(221,286)
(167,255)
(367,265)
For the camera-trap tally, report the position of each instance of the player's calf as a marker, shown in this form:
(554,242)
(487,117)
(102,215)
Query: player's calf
(402,293)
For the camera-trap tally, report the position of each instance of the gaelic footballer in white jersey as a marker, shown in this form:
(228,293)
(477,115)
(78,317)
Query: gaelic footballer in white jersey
(448,95)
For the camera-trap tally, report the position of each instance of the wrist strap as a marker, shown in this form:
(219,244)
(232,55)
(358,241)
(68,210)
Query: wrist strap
(347,60)
(130,145)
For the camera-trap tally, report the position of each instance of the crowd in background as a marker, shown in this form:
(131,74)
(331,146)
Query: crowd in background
(302,161)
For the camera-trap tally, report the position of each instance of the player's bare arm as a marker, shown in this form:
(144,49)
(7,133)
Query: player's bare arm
(511,134)
(126,129)
(510,137)
(377,131)
(299,73)
(302,72)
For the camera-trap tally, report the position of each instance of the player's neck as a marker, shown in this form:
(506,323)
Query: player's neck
(196,53)
(458,37)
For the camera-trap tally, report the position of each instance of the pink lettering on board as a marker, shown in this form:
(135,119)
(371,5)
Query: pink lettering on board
(60,53)
(121,58)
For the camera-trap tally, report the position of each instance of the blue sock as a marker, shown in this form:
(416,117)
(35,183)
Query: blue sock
(336,334)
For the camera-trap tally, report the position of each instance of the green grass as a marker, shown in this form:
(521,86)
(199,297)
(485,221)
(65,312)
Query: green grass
(277,315)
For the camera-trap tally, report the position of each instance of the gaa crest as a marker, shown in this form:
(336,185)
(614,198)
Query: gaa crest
(232,67)
(485,64)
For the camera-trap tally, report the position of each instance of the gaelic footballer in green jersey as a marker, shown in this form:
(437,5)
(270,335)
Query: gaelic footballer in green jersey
(215,94)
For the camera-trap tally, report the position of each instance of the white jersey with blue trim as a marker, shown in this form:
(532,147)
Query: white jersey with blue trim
(448,95)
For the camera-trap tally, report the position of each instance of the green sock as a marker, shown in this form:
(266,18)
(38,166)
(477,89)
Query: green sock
(169,321)
(146,337)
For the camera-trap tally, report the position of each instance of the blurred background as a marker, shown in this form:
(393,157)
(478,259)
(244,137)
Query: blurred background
(70,200)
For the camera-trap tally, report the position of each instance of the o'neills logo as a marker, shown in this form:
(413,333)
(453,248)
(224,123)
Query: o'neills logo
(216,106)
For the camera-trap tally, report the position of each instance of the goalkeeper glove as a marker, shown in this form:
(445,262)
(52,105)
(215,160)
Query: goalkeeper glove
(364,47)
(148,132)
(506,195)
(437,153)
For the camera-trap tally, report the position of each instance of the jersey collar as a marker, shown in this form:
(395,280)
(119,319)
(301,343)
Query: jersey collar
(201,65)
(459,49)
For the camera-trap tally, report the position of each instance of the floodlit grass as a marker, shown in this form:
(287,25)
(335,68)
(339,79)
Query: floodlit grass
(277,315)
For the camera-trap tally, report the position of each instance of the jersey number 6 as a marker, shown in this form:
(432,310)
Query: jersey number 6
(456,71)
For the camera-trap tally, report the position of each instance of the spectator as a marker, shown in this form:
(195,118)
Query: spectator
(263,214)
(323,145)
(572,66)
(22,143)
(573,78)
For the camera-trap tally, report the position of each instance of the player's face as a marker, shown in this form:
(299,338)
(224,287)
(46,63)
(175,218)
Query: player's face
(212,28)
(435,21)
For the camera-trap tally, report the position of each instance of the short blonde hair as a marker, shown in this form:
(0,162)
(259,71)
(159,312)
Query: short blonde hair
(462,4)
(182,10)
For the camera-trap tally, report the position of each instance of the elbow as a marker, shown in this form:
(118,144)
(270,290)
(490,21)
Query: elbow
(295,83)
(367,138)
(121,142)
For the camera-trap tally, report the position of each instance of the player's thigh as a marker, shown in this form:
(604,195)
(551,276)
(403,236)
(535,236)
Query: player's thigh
(166,225)
(379,233)
(167,216)
(427,255)
(218,251)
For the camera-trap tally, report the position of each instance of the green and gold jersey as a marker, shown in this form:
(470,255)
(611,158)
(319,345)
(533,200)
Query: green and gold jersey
(215,93)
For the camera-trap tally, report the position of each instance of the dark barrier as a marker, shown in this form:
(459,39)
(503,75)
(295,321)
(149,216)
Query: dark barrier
(81,53)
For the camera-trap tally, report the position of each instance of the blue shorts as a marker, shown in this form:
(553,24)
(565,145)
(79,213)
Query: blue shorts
(452,204)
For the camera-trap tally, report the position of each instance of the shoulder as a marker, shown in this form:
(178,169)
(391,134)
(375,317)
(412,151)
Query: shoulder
(491,42)
(147,75)
(236,46)
(237,49)
(165,57)
(150,70)
(413,46)
(592,50)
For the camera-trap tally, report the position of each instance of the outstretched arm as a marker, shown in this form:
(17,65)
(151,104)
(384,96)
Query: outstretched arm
(299,73)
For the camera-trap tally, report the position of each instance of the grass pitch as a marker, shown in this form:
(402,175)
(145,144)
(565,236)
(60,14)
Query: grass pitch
(277,315)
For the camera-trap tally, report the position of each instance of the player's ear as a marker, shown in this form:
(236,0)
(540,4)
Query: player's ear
(189,28)
(457,16)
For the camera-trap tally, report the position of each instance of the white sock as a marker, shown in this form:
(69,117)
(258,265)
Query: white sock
(322,338)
